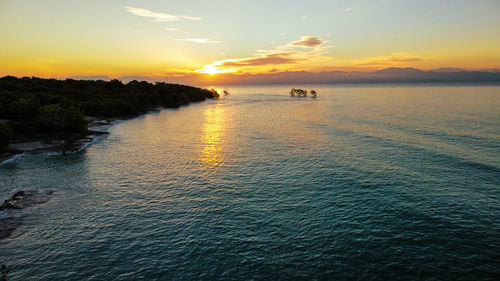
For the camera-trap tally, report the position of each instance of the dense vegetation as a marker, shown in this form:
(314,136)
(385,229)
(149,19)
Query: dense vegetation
(301,93)
(53,108)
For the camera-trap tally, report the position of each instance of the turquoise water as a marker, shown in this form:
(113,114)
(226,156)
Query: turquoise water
(373,182)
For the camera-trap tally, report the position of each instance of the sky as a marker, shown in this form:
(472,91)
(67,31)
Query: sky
(163,38)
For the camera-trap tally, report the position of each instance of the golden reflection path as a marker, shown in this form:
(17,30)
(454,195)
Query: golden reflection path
(212,143)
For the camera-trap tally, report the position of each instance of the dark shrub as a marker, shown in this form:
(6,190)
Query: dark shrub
(23,109)
(55,119)
(5,136)
(51,106)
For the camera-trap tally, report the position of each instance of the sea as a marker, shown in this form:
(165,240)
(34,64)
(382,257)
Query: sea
(363,182)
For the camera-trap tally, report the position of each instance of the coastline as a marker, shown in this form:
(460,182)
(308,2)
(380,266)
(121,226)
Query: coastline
(65,116)
(96,130)
(16,206)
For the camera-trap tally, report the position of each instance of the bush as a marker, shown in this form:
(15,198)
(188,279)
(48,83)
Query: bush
(41,106)
(5,136)
(23,109)
(63,121)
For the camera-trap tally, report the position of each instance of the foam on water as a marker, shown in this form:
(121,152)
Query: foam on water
(13,158)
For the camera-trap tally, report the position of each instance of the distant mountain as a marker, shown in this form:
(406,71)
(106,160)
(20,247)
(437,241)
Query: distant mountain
(448,69)
(92,77)
(396,71)
(490,70)
(388,75)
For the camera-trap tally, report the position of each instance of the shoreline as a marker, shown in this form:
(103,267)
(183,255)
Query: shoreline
(40,115)
(97,128)
(16,206)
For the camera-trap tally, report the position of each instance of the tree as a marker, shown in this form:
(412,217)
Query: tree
(5,137)
(298,92)
(54,118)
(214,92)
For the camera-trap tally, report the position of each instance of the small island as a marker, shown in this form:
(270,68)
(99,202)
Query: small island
(301,93)
(62,112)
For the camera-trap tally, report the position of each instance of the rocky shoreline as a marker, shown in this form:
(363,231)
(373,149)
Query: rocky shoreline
(11,210)
(96,129)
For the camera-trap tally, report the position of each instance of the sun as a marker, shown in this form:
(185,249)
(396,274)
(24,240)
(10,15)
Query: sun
(210,69)
(213,69)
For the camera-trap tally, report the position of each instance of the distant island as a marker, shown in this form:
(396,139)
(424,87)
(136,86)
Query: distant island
(387,75)
(60,111)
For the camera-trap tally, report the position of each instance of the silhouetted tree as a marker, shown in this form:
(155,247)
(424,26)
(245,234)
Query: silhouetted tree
(57,107)
(214,92)
(298,92)
(5,136)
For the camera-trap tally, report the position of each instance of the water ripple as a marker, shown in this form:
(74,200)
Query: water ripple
(360,183)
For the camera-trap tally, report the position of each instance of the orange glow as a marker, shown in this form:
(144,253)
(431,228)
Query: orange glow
(213,69)
(211,154)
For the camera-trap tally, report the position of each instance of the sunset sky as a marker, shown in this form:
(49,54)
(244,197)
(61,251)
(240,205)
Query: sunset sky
(156,38)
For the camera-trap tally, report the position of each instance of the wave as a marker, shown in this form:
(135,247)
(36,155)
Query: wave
(13,158)
(4,215)
(83,146)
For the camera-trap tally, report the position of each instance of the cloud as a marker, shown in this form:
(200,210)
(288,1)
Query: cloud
(407,59)
(391,60)
(171,29)
(303,17)
(308,41)
(234,65)
(270,59)
(200,40)
(158,17)
(305,53)
(347,9)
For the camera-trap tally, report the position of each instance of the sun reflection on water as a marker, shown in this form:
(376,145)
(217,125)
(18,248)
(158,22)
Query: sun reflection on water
(212,155)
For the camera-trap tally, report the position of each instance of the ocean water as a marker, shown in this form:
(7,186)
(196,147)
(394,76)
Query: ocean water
(364,182)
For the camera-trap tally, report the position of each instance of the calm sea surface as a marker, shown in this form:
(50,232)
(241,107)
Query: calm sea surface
(366,182)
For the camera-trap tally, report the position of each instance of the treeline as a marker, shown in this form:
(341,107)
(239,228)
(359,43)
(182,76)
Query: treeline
(57,108)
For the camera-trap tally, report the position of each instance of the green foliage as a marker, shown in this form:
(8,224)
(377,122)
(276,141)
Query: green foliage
(214,92)
(23,109)
(298,92)
(55,119)
(5,136)
(58,107)
(301,93)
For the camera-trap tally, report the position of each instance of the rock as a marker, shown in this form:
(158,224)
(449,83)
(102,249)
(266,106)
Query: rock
(10,217)
(18,195)
(4,272)
(8,225)
(36,146)
(23,199)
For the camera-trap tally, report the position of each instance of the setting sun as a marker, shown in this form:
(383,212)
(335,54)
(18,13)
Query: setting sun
(213,69)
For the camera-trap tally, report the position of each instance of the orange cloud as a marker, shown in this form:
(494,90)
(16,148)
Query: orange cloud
(394,59)
(308,41)
(304,53)
(270,59)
